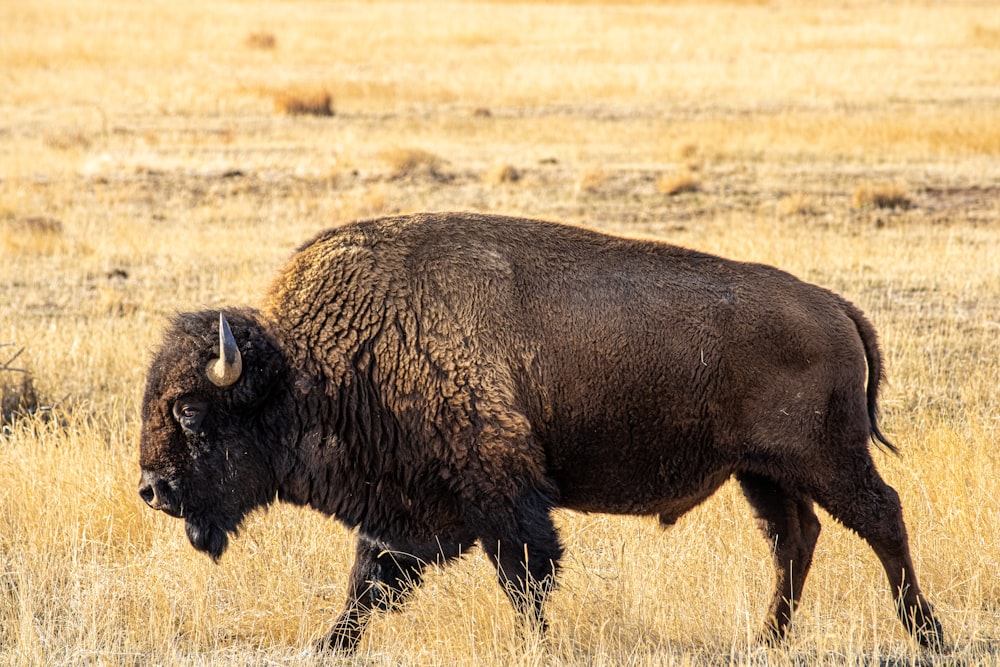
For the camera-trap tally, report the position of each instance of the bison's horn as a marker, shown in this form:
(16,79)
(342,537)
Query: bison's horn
(225,370)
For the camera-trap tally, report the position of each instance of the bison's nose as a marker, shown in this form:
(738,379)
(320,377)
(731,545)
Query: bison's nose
(147,493)
(154,491)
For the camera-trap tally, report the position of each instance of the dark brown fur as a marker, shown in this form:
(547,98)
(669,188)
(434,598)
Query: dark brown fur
(442,380)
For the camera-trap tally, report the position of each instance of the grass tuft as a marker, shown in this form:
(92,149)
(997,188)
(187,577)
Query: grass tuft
(881,195)
(261,40)
(985,36)
(18,396)
(500,174)
(797,204)
(409,163)
(68,140)
(689,155)
(590,180)
(39,235)
(678,183)
(302,101)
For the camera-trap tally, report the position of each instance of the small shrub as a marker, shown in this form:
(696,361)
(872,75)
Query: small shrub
(37,234)
(17,392)
(881,195)
(304,102)
(67,140)
(678,183)
(590,181)
(985,36)
(262,40)
(687,155)
(414,162)
(501,173)
(361,204)
(687,152)
(17,399)
(796,204)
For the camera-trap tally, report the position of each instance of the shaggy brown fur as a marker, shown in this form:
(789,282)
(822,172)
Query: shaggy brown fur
(441,380)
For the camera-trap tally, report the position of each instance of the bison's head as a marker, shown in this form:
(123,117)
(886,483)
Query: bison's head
(208,448)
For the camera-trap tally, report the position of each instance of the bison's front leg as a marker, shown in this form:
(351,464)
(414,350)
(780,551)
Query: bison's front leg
(525,550)
(380,580)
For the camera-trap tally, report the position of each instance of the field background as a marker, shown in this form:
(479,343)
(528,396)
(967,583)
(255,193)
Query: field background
(153,159)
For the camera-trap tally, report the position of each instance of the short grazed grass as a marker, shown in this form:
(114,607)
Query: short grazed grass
(145,169)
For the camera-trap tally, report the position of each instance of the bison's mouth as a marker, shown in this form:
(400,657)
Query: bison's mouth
(207,537)
(170,511)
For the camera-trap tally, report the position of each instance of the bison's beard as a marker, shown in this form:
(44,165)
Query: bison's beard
(208,537)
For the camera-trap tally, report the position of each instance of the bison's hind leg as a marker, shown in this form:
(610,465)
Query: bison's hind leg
(790,525)
(856,495)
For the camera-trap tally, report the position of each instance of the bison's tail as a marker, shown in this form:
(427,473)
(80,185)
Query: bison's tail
(875,373)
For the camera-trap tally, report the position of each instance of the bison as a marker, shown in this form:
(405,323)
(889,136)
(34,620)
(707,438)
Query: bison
(441,380)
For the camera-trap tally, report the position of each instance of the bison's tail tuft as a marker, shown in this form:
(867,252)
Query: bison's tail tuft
(869,339)
(877,436)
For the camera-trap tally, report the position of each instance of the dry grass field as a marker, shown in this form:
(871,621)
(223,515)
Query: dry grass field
(165,156)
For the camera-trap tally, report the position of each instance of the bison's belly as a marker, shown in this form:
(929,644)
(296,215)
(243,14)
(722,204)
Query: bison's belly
(635,484)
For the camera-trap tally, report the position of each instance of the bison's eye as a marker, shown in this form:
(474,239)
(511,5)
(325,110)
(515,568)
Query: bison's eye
(189,413)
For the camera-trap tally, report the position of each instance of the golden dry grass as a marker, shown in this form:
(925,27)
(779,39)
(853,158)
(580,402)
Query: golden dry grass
(147,132)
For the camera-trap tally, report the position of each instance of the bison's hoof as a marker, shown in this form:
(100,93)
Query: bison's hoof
(931,636)
(342,640)
(332,645)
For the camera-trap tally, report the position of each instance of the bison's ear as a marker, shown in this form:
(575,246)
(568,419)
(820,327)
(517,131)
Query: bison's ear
(263,363)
